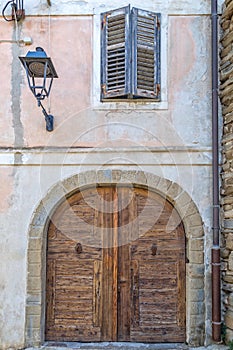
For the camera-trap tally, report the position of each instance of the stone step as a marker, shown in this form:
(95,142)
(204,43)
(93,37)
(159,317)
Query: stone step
(123,346)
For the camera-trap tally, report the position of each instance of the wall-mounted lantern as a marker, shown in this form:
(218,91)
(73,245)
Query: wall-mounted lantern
(40,73)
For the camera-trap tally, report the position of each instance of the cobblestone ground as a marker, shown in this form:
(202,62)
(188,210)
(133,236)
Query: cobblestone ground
(125,346)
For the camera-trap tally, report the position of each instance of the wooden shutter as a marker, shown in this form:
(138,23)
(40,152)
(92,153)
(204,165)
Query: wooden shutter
(115,49)
(146,54)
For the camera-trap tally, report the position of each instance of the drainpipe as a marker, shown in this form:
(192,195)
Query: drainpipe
(216,282)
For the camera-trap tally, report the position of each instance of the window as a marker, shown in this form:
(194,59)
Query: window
(130,54)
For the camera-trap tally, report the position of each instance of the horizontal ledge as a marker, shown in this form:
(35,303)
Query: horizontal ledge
(85,149)
(146,156)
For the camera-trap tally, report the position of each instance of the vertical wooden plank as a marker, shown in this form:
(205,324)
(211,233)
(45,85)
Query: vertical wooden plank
(135,313)
(105,272)
(50,293)
(97,293)
(124,234)
(109,280)
(124,294)
(181,293)
(115,262)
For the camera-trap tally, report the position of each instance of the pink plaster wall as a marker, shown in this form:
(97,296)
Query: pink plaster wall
(6,125)
(68,41)
(181,53)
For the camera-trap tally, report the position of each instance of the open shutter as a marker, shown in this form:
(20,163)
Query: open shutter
(115,50)
(146,54)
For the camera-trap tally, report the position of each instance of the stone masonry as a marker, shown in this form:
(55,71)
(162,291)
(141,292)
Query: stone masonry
(226,96)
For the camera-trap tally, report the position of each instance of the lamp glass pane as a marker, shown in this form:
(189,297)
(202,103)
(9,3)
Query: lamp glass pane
(37,68)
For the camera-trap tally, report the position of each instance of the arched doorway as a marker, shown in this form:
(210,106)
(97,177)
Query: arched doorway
(37,240)
(115,268)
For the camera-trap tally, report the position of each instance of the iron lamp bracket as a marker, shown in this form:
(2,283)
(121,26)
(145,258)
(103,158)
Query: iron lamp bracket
(40,73)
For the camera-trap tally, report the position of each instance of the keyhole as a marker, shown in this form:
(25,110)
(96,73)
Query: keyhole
(154,249)
(79,248)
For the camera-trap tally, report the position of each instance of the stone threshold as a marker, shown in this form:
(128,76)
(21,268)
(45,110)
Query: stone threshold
(124,346)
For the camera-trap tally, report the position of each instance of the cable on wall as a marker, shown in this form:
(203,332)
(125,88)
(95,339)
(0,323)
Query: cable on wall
(17,10)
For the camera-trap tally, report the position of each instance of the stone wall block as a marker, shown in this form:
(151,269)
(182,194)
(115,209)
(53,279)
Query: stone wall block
(197,296)
(229,241)
(90,177)
(194,220)
(70,184)
(33,321)
(196,257)
(33,337)
(193,339)
(37,231)
(35,270)
(195,232)
(34,256)
(228,11)
(34,284)
(39,218)
(34,310)
(164,185)
(116,176)
(35,244)
(229,335)
(196,283)
(128,177)
(104,176)
(229,319)
(230,299)
(34,297)
(174,191)
(230,262)
(228,223)
(197,308)
(228,277)
(195,270)
(152,180)
(196,244)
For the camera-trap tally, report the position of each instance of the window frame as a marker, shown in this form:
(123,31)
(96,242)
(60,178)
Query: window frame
(139,104)
(122,44)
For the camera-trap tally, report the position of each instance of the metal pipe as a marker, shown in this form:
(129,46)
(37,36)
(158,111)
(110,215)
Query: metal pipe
(216,281)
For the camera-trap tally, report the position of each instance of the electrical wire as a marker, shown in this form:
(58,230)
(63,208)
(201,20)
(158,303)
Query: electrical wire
(18,42)
(16,27)
(17,10)
(5,7)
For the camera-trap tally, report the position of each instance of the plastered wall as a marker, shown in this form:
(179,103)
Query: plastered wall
(170,139)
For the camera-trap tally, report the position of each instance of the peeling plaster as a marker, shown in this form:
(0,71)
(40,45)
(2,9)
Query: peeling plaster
(72,7)
(16,80)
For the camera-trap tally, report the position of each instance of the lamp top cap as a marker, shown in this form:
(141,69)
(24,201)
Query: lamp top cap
(39,53)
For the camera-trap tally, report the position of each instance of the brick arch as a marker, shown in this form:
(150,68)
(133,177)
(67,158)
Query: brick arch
(171,191)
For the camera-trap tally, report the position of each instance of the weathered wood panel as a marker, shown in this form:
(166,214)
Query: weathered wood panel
(125,279)
(70,293)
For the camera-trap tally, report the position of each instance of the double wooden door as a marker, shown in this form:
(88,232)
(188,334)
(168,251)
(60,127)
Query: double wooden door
(115,268)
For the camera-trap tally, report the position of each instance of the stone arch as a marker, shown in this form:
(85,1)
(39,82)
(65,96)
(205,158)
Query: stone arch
(183,203)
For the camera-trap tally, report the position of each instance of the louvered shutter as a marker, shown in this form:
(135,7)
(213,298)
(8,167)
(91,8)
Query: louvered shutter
(115,60)
(145,54)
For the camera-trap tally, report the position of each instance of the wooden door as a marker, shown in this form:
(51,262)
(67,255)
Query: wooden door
(116,268)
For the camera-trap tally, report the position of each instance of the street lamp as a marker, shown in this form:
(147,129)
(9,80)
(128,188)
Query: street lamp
(40,73)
